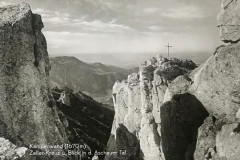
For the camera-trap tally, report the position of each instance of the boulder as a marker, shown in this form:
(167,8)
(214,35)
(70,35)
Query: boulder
(179,85)
(228,21)
(228,141)
(10,151)
(206,141)
(216,82)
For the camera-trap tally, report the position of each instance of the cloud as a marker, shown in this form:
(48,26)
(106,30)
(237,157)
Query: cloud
(64,43)
(39,10)
(99,25)
(155,28)
(151,10)
(3,3)
(185,12)
(51,16)
(65,22)
(73,26)
(76,43)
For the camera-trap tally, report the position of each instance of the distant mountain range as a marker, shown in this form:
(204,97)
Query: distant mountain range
(95,79)
(132,60)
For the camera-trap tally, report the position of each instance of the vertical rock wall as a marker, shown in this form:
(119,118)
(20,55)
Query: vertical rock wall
(137,103)
(217,85)
(27,112)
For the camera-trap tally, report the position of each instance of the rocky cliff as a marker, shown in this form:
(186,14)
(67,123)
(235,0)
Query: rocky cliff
(217,86)
(138,102)
(28,115)
(163,113)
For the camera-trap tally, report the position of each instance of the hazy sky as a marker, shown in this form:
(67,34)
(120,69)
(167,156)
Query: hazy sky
(128,26)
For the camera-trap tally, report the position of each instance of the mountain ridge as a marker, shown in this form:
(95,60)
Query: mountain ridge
(95,79)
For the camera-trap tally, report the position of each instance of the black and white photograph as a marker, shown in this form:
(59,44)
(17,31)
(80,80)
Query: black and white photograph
(119,79)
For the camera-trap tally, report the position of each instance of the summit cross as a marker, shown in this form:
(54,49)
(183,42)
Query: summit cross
(168,46)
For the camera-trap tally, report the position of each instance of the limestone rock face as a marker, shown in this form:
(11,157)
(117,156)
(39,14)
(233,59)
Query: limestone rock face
(27,112)
(228,21)
(179,85)
(227,141)
(216,84)
(137,102)
(206,143)
(218,139)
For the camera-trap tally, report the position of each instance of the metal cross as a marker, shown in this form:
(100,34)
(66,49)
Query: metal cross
(168,46)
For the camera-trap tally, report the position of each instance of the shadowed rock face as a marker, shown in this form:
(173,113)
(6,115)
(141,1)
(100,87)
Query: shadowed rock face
(27,113)
(125,141)
(180,119)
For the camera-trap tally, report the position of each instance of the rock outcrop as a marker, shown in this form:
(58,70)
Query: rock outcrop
(191,116)
(229,22)
(137,102)
(28,115)
(217,86)
(10,151)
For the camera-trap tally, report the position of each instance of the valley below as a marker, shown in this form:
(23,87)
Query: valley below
(95,79)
